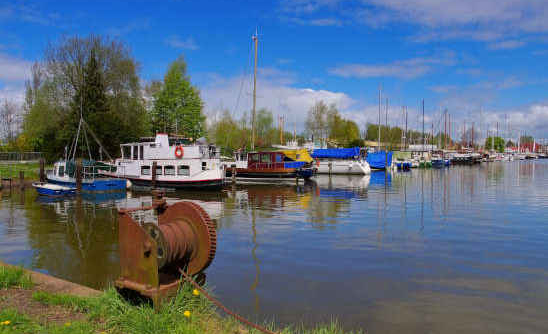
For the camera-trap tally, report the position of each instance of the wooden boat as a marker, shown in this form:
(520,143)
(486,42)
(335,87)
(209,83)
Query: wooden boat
(53,190)
(268,167)
(93,180)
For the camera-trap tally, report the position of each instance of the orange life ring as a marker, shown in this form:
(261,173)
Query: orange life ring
(179,152)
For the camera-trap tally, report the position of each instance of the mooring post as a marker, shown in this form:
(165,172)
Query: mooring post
(21,179)
(330,167)
(154,165)
(233,175)
(42,170)
(78,175)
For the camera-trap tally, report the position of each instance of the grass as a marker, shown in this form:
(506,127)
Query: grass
(186,313)
(11,277)
(31,170)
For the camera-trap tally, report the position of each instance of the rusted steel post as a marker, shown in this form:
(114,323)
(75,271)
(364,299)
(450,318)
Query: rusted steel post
(154,165)
(78,175)
(42,170)
(21,179)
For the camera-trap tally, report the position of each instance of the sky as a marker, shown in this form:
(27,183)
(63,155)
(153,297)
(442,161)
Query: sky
(484,61)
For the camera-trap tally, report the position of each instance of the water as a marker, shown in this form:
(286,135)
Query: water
(458,250)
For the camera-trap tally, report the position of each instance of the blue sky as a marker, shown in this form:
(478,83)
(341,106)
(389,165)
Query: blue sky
(465,55)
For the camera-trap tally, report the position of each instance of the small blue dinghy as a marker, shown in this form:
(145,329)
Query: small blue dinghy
(53,190)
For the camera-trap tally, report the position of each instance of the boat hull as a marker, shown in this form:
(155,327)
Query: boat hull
(343,167)
(44,190)
(97,185)
(193,184)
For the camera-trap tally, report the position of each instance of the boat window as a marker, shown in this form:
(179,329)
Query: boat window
(169,170)
(278,158)
(183,170)
(126,152)
(266,157)
(253,157)
(141,151)
(204,165)
(61,171)
(158,170)
(145,170)
(135,152)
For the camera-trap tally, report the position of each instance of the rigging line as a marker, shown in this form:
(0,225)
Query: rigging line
(97,140)
(76,139)
(246,69)
(87,144)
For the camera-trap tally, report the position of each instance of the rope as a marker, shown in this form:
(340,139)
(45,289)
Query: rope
(224,308)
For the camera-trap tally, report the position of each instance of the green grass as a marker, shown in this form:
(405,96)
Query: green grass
(14,277)
(31,170)
(112,314)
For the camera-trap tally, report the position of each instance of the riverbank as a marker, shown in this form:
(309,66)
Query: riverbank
(32,302)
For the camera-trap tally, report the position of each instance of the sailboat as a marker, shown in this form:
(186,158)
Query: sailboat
(265,166)
(65,171)
(378,159)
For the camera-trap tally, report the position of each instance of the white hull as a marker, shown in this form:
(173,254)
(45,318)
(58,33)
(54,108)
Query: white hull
(343,167)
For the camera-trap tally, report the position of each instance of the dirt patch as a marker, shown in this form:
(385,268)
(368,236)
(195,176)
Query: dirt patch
(21,300)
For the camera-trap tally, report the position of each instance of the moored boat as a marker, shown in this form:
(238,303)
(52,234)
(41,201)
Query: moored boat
(64,174)
(170,162)
(53,190)
(340,161)
(268,167)
(379,160)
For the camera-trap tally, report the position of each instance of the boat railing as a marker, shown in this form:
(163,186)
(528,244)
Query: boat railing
(266,165)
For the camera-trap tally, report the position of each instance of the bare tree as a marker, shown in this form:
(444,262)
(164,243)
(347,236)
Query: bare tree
(9,119)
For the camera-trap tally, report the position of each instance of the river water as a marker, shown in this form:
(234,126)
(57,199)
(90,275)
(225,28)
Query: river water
(456,250)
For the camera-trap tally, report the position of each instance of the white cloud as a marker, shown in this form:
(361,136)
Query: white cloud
(275,91)
(176,42)
(404,69)
(506,45)
(485,20)
(13,69)
(442,88)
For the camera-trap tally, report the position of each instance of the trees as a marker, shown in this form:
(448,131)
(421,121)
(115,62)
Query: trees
(177,105)
(95,75)
(325,123)
(495,143)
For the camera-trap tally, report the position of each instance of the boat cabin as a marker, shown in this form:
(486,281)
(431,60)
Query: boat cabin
(164,147)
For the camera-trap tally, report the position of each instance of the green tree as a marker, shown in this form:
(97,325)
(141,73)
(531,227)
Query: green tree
(55,94)
(178,105)
(496,143)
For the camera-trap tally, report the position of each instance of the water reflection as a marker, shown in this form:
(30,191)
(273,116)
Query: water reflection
(422,251)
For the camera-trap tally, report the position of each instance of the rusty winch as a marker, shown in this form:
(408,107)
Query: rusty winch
(152,255)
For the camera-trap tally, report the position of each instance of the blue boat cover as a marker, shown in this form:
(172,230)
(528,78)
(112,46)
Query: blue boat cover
(378,159)
(294,164)
(336,153)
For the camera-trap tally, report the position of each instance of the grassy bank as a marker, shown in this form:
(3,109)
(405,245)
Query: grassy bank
(31,170)
(189,312)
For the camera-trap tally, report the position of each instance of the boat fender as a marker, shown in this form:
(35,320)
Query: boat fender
(317,163)
(179,152)
(128,184)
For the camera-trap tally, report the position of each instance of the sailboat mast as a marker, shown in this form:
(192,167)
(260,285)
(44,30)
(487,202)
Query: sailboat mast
(379,125)
(255,39)
(423,124)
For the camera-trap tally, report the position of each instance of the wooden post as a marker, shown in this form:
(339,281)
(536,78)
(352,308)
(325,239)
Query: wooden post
(21,179)
(154,165)
(42,170)
(330,167)
(78,175)
(234,175)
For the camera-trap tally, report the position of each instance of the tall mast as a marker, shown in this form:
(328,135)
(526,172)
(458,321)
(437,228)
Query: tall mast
(379,125)
(423,124)
(405,138)
(255,39)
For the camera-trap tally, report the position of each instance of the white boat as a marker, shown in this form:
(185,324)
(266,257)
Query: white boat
(180,164)
(346,161)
